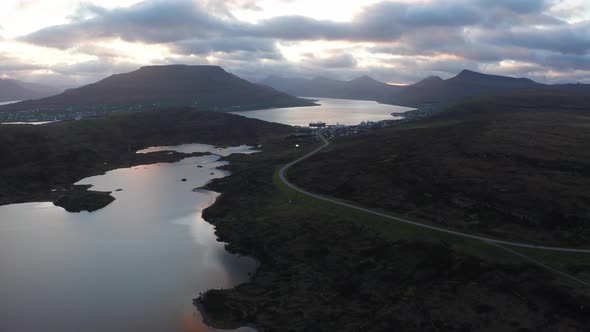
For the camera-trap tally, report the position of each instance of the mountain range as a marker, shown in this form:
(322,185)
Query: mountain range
(466,85)
(202,87)
(432,90)
(212,88)
(361,88)
(11,90)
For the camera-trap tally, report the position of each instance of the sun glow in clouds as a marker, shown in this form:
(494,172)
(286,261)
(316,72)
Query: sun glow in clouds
(123,51)
(395,41)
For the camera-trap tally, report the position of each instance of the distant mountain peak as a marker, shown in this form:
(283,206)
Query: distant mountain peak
(429,81)
(433,79)
(205,87)
(470,74)
(365,78)
(467,74)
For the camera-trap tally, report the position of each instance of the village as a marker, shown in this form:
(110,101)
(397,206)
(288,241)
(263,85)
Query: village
(338,130)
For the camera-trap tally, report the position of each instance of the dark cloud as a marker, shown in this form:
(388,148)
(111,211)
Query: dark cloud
(100,68)
(158,21)
(437,37)
(11,64)
(298,28)
(344,60)
(383,22)
(264,48)
(224,7)
(154,21)
(517,6)
(570,39)
(565,62)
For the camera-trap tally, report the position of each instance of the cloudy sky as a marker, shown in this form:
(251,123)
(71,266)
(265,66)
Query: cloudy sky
(72,42)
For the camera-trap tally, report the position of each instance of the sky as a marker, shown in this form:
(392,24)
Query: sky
(69,43)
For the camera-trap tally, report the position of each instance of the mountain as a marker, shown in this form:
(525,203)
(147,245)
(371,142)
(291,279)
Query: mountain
(432,90)
(466,85)
(362,88)
(17,90)
(429,82)
(203,87)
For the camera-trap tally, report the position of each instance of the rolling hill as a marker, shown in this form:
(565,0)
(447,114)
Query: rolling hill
(11,90)
(202,87)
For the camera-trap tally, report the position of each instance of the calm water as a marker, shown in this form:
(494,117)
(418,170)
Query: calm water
(135,265)
(331,111)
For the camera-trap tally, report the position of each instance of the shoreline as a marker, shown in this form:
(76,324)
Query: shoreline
(76,200)
(327,268)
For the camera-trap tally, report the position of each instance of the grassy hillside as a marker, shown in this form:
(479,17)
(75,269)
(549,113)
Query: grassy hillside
(513,167)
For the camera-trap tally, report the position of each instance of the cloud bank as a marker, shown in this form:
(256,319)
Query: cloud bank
(395,41)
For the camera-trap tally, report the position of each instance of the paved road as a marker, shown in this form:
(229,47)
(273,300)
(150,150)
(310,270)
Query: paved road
(283,172)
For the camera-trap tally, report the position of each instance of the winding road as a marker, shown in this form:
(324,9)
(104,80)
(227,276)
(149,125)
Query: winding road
(283,177)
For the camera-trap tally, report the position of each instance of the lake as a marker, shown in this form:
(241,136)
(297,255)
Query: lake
(135,265)
(332,111)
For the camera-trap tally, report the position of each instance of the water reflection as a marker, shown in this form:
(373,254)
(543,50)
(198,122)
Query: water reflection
(331,111)
(192,148)
(132,266)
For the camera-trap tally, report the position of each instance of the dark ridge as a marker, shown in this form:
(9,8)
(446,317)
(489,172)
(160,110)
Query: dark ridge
(201,87)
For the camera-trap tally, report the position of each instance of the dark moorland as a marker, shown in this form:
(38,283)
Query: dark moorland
(38,159)
(514,167)
(322,268)
(325,268)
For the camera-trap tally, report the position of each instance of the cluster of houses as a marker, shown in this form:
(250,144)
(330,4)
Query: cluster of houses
(330,131)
